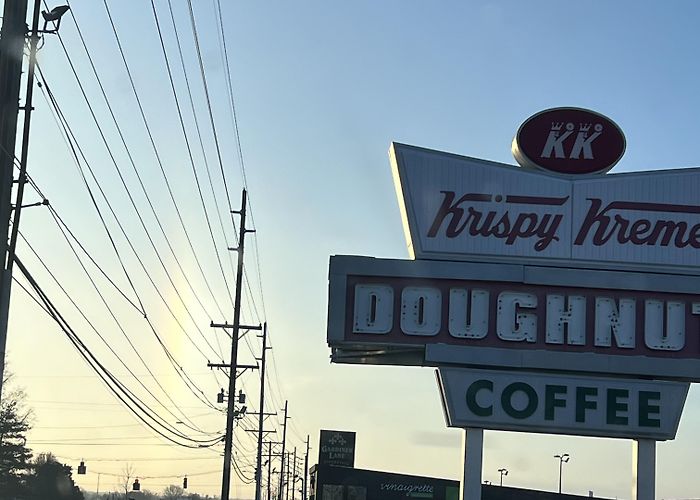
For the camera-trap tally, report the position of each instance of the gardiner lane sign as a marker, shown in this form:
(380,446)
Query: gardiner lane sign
(455,207)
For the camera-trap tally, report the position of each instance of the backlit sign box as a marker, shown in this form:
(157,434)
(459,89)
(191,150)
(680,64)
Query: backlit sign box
(569,141)
(561,404)
(515,316)
(337,448)
(460,208)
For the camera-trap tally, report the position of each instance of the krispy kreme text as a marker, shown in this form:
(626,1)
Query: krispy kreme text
(511,218)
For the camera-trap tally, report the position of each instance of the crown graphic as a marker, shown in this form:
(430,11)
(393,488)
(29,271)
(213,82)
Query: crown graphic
(337,439)
(557,125)
(584,127)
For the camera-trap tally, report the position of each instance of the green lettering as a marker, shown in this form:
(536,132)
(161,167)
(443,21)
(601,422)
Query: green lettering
(474,407)
(550,400)
(507,396)
(582,402)
(645,409)
(614,406)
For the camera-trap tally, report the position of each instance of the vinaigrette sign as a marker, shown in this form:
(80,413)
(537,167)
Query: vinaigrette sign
(561,404)
(460,208)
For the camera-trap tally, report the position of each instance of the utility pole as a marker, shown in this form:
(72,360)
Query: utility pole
(284,441)
(269,467)
(287,474)
(270,456)
(261,414)
(306,469)
(294,473)
(233,365)
(12,36)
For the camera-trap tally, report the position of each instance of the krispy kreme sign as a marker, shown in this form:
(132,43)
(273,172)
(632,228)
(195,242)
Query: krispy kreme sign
(456,207)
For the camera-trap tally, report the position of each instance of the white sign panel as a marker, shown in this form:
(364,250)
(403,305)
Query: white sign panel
(560,404)
(455,207)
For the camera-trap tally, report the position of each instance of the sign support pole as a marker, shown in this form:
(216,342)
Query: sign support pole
(644,473)
(472,453)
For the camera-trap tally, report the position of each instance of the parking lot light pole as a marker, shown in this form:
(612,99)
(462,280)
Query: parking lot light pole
(504,472)
(563,458)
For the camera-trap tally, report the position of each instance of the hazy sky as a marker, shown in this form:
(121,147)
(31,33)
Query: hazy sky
(321,89)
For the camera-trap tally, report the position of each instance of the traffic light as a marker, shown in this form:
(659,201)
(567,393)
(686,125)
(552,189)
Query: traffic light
(184,483)
(81,468)
(137,485)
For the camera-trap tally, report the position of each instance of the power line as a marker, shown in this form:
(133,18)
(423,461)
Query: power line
(187,142)
(239,149)
(121,329)
(162,170)
(109,346)
(139,409)
(73,146)
(126,187)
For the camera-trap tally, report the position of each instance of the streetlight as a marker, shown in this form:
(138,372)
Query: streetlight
(562,459)
(504,472)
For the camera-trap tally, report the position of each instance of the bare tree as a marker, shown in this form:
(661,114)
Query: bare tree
(128,473)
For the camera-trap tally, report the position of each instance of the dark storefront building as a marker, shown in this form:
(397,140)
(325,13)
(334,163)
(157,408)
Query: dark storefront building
(329,482)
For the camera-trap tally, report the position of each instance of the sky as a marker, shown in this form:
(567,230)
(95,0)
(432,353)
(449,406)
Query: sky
(320,90)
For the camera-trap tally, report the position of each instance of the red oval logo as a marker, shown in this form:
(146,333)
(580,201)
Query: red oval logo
(570,141)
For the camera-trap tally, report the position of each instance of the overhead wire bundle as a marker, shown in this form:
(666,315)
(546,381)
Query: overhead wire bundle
(143,287)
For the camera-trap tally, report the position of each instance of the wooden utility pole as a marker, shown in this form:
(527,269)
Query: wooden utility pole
(284,441)
(294,473)
(269,468)
(306,470)
(233,364)
(287,474)
(261,415)
(12,37)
